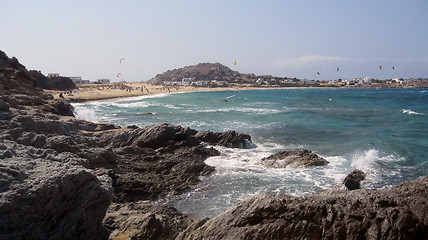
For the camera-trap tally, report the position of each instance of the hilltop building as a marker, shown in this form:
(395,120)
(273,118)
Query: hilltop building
(50,75)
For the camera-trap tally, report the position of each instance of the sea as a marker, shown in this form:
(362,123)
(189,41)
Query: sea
(383,132)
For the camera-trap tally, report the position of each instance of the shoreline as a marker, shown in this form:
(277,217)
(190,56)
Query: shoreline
(100,92)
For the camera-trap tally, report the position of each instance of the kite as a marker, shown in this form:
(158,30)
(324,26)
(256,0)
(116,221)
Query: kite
(318,73)
(380,67)
(337,69)
(393,68)
(234,62)
(118,75)
(122,59)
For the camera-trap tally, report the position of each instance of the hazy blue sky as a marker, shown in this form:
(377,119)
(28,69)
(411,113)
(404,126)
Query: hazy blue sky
(283,38)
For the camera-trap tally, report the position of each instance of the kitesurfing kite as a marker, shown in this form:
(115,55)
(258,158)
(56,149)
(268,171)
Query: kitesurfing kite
(225,99)
(393,68)
(118,75)
(318,73)
(380,67)
(122,59)
(234,62)
(337,69)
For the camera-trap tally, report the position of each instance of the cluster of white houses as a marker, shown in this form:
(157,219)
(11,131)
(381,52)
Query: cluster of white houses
(273,81)
(79,80)
(191,82)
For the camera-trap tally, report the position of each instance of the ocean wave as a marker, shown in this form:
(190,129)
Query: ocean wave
(258,111)
(86,114)
(411,112)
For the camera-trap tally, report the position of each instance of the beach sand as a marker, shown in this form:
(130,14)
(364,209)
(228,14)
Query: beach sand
(96,92)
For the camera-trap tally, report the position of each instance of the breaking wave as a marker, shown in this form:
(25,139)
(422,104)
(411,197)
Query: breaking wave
(411,112)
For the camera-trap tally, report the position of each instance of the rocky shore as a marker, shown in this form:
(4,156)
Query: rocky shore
(66,178)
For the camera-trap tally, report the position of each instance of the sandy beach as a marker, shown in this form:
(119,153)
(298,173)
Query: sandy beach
(96,92)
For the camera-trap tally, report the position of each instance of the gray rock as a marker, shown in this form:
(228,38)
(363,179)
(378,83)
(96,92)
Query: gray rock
(228,139)
(353,180)
(4,106)
(397,213)
(294,158)
(51,200)
(144,221)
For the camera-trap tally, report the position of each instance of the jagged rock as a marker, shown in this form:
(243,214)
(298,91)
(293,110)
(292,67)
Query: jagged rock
(51,200)
(397,213)
(61,108)
(148,174)
(228,139)
(144,221)
(161,135)
(353,180)
(294,158)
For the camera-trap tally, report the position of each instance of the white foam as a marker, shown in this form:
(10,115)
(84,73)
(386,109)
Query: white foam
(86,114)
(411,112)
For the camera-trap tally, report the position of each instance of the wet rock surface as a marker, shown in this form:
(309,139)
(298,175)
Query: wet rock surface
(296,158)
(353,180)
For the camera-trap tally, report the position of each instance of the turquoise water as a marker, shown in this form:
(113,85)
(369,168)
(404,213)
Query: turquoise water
(383,132)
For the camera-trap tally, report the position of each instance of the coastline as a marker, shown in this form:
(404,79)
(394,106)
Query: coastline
(99,92)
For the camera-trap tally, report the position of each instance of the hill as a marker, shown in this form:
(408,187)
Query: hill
(204,72)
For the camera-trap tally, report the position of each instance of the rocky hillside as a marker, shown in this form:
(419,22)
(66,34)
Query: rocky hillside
(31,80)
(52,83)
(204,71)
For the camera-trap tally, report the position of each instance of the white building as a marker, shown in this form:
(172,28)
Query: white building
(53,75)
(200,83)
(307,81)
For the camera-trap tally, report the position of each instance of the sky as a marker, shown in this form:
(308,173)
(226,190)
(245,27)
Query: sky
(285,38)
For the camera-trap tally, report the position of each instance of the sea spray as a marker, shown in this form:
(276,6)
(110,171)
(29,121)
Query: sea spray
(86,114)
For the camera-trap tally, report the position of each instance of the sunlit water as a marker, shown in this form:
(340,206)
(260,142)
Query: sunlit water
(383,132)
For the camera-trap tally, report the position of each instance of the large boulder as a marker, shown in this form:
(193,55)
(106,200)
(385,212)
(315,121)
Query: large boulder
(144,221)
(51,200)
(147,174)
(229,138)
(151,136)
(397,213)
(295,158)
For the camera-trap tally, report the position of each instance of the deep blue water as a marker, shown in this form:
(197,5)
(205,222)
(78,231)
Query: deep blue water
(383,132)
